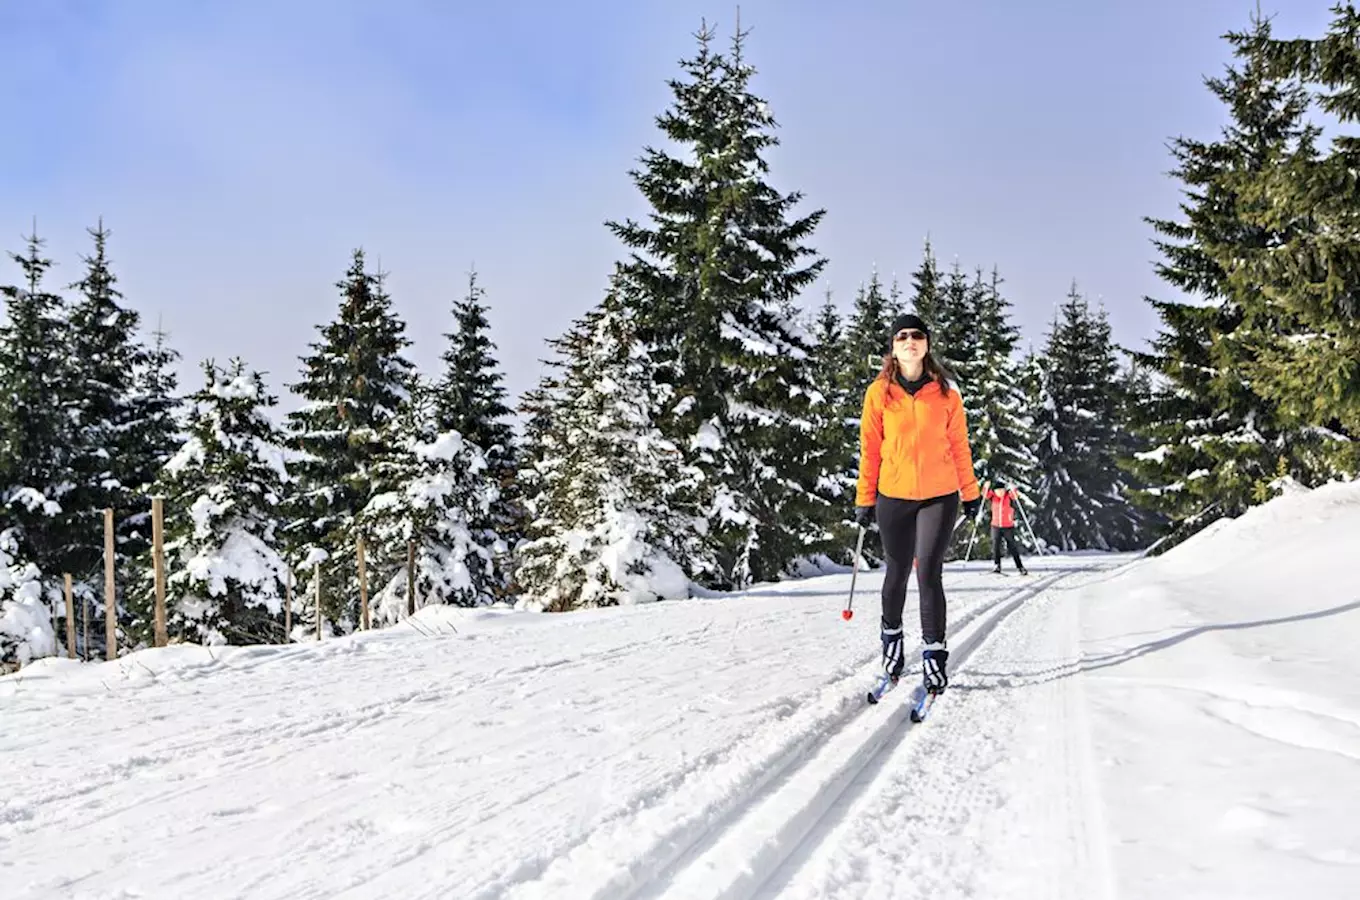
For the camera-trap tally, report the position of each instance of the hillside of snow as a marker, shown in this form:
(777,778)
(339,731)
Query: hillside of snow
(1183,726)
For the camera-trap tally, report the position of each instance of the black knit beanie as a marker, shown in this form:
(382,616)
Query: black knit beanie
(907,320)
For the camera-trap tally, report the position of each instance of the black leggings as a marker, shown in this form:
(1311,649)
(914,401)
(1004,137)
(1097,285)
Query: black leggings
(920,530)
(1007,535)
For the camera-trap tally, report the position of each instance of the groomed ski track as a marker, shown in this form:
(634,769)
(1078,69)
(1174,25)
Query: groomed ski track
(798,807)
(742,848)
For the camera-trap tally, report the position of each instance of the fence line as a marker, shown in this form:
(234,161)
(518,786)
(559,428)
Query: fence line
(160,633)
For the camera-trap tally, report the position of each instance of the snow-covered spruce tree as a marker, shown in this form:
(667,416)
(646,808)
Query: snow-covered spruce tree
(36,434)
(1215,446)
(837,380)
(717,272)
(225,575)
(108,407)
(999,418)
(956,342)
(1080,490)
(616,518)
(538,407)
(354,384)
(1135,393)
(866,336)
(1309,274)
(433,491)
(154,432)
(470,399)
(1033,370)
(925,288)
(954,330)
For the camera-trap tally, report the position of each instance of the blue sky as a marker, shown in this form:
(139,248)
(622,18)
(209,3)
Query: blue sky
(238,151)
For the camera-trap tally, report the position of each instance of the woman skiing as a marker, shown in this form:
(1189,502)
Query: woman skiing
(914,465)
(1003,524)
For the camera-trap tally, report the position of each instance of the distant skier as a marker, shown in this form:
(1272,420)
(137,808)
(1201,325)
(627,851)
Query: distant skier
(914,465)
(1003,524)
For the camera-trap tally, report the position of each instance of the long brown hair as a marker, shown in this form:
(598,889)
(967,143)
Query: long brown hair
(932,367)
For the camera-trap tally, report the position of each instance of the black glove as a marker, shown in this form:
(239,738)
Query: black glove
(971,508)
(864,516)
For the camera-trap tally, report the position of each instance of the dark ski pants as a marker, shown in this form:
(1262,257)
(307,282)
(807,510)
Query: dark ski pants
(1009,535)
(919,530)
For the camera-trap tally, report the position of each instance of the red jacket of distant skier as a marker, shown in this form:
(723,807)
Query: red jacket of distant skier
(1003,513)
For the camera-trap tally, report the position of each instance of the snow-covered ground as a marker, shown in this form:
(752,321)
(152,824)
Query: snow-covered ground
(1186,726)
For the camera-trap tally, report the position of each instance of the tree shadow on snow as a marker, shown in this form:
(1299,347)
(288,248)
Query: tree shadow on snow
(997,680)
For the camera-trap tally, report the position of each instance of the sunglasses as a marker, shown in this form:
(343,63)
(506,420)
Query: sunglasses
(910,334)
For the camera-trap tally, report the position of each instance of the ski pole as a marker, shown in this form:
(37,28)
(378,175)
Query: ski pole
(1032,539)
(973,537)
(848,613)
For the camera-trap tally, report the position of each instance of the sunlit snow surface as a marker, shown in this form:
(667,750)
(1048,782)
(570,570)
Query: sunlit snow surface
(1185,726)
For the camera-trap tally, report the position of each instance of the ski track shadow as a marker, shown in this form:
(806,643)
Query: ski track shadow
(1000,680)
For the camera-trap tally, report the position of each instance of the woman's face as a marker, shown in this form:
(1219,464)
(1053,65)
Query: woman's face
(910,346)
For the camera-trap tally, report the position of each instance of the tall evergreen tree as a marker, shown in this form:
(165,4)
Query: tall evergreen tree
(471,401)
(154,433)
(837,368)
(866,343)
(1033,369)
(433,493)
(1080,494)
(226,578)
(617,518)
(926,286)
(471,398)
(1214,444)
(717,271)
(105,450)
(36,406)
(999,425)
(955,339)
(354,384)
(954,330)
(1310,272)
(867,334)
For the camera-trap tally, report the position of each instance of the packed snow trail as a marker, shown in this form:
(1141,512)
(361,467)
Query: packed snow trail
(995,796)
(522,755)
(1185,726)
(738,860)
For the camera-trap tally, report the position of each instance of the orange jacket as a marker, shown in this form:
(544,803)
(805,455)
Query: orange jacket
(913,447)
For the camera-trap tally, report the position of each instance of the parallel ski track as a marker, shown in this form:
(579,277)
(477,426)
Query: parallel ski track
(741,849)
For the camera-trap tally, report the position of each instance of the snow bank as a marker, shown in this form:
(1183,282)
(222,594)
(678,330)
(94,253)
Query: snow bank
(1310,524)
(1224,687)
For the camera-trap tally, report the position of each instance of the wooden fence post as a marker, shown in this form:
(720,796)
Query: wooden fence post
(363,588)
(70,618)
(410,578)
(288,608)
(162,637)
(110,594)
(318,600)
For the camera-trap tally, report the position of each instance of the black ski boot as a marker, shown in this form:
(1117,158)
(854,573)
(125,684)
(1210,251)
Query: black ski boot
(892,651)
(933,660)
